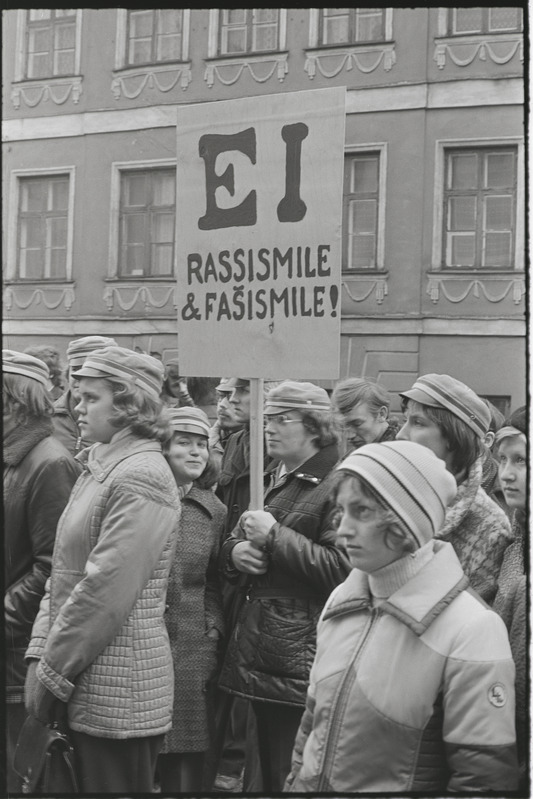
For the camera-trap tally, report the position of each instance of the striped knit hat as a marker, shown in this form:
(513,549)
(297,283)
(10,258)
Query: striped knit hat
(20,363)
(189,420)
(143,370)
(411,479)
(443,391)
(80,348)
(291,395)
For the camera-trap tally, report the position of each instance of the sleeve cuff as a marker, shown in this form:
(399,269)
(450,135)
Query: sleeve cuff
(56,684)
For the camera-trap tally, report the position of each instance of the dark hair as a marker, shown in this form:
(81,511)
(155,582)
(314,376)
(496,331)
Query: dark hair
(497,418)
(210,474)
(51,358)
(323,426)
(26,398)
(202,389)
(464,444)
(138,410)
(394,528)
(353,390)
(518,419)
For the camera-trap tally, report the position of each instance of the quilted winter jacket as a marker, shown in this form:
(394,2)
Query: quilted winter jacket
(272,647)
(416,694)
(100,633)
(38,477)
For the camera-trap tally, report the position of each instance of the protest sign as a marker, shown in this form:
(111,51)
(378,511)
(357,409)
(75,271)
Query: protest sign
(258,226)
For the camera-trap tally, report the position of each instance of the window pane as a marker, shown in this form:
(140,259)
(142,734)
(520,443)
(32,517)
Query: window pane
(463,172)
(132,260)
(504,19)
(234,15)
(33,195)
(135,190)
(64,63)
(161,262)
(369,24)
(140,52)
(58,263)
(235,41)
(497,249)
(163,228)
(265,37)
(169,20)
(498,213)
(463,249)
(467,20)
(57,231)
(135,228)
(169,48)
(31,264)
(462,213)
(164,188)
(141,24)
(363,214)
(364,175)
(31,233)
(65,37)
(39,40)
(362,252)
(500,170)
(39,13)
(336,25)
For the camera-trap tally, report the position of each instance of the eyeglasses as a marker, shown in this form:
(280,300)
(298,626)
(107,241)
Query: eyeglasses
(280,419)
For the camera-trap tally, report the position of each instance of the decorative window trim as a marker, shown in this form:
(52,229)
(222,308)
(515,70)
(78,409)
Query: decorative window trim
(443,145)
(132,80)
(494,286)
(36,90)
(382,149)
(463,49)
(228,69)
(50,296)
(117,167)
(371,283)
(153,295)
(12,224)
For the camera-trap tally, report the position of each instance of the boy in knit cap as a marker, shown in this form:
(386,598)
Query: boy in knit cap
(412,687)
(65,419)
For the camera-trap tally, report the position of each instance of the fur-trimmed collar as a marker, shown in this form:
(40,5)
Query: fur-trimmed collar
(24,438)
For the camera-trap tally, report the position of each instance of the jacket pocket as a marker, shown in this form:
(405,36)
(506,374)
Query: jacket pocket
(286,641)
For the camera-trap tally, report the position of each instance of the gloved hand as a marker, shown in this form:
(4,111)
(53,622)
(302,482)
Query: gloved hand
(38,700)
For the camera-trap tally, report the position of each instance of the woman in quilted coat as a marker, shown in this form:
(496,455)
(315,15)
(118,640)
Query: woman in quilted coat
(99,652)
(444,414)
(194,615)
(38,477)
(292,556)
(412,687)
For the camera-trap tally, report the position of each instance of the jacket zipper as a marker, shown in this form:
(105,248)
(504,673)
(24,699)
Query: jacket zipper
(339,706)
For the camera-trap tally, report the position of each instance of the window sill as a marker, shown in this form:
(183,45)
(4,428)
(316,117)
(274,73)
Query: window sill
(57,89)
(462,49)
(365,56)
(131,81)
(26,281)
(228,69)
(120,281)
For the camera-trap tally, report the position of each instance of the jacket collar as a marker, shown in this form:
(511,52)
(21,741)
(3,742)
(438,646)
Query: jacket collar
(24,438)
(100,459)
(418,602)
(316,468)
(203,497)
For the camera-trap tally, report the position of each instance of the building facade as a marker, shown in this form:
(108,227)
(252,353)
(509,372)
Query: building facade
(433,265)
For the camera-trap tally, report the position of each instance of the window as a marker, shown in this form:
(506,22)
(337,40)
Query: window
(360,211)
(249,30)
(43,227)
(154,36)
(50,42)
(484,19)
(351,25)
(147,215)
(480,207)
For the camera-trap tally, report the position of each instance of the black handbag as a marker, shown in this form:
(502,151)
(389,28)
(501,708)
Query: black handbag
(44,759)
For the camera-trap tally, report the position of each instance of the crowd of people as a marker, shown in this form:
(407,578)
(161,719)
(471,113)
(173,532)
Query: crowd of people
(364,631)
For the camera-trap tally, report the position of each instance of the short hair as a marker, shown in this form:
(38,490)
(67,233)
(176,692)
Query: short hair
(138,410)
(322,425)
(465,445)
(497,418)
(51,358)
(353,390)
(393,527)
(26,398)
(210,474)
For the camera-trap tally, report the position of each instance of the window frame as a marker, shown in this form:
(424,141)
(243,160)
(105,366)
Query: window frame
(380,150)
(353,15)
(485,24)
(315,17)
(118,169)
(214,38)
(249,25)
(443,148)
(122,43)
(20,72)
(13,226)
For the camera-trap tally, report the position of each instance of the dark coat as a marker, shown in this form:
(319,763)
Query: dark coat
(66,427)
(273,645)
(39,475)
(194,607)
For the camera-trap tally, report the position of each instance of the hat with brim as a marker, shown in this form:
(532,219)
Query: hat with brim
(444,391)
(143,370)
(80,348)
(291,395)
(189,420)
(224,385)
(20,363)
(234,382)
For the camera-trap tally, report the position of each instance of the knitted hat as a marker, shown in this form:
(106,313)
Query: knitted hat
(80,348)
(189,420)
(443,391)
(20,363)
(292,395)
(411,479)
(143,370)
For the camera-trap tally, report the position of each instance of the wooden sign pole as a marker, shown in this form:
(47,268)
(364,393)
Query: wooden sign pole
(256,443)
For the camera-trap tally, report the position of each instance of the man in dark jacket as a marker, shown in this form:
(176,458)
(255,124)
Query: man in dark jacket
(39,474)
(65,418)
(363,407)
